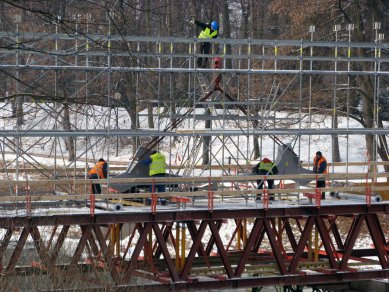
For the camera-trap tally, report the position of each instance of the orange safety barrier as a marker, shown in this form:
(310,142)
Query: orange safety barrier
(316,196)
(176,199)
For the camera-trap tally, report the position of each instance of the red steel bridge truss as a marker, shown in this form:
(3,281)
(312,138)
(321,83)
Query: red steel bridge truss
(202,249)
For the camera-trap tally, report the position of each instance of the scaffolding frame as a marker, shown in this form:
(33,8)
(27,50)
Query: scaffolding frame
(285,63)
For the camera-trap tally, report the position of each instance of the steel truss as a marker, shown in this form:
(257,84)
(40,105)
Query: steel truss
(267,247)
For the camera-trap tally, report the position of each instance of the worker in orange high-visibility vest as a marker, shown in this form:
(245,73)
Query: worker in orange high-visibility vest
(99,171)
(320,166)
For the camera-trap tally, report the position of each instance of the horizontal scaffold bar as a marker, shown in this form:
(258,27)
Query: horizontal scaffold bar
(148,39)
(196,132)
(194,70)
(120,166)
(214,179)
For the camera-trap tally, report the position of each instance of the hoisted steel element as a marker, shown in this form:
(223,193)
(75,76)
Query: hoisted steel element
(217,63)
(289,162)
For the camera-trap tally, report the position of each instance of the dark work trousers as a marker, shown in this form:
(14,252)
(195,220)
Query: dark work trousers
(205,48)
(321,183)
(270,185)
(160,188)
(96,188)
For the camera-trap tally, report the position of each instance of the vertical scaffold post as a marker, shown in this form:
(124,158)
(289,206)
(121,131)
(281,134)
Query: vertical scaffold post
(153,198)
(92,204)
(183,245)
(265,194)
(114,240)
(317,195)
(28,200)
(368,187)
(177,246)
(210,195)
(368,190)
(239,236)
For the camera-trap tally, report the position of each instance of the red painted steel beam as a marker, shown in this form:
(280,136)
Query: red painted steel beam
(194,248)
(232,268)
(165,252)
(17,251)
(261,281)
(258,225)
(352,236)
(301,245)
(185,215)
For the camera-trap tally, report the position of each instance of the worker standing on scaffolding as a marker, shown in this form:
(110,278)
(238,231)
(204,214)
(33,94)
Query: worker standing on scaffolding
(157,163)
(265,167)
(99,171)
(320,166)
(208,31)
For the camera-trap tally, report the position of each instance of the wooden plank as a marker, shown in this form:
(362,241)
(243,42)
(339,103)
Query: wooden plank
(233,178)
(226,167)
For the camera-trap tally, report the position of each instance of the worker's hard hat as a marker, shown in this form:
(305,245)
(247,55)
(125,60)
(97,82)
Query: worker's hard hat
(214,25)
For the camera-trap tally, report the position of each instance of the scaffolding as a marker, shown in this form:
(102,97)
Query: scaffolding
(202,118)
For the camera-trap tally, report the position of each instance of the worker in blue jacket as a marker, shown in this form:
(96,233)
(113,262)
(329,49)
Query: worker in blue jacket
(157,163)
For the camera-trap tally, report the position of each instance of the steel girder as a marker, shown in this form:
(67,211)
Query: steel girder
(223,248)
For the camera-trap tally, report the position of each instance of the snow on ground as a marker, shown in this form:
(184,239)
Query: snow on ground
(352,148)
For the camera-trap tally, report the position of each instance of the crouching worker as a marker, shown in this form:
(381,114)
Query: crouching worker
(99,171)
(265,167)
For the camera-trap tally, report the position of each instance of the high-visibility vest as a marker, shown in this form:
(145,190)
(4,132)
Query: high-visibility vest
(206,34)
(268,166)
(317,163)
(158,164)
(98,169)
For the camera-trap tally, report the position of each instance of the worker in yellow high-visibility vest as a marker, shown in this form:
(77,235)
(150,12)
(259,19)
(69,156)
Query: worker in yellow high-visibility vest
(157,164)
(208,31)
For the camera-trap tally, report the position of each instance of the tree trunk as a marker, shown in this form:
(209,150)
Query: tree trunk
(335,141)
(257,152)
(69,141)
(226,31)
(207,139)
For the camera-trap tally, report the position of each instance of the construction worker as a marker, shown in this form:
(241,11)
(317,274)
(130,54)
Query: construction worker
(157,163)
(320,166)
(99,171)
(265,167)
(208,31)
